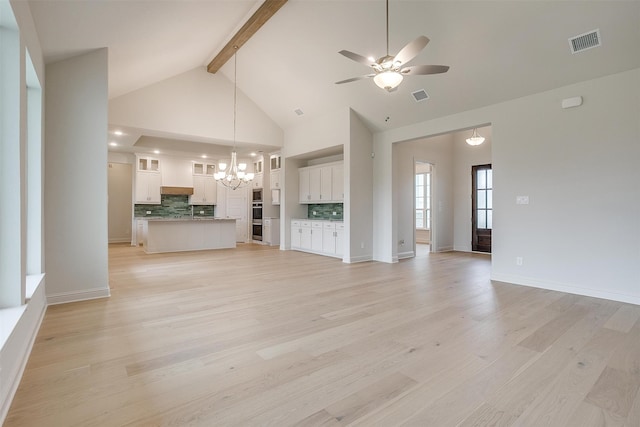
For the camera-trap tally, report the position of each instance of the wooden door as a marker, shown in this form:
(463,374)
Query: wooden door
(482,208)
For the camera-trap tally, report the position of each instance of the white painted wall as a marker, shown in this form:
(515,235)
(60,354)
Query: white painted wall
(316,134)
(437,151)
(358,200)
(579,168)
(76,178)
(464,157)
(120,178)
(195,104)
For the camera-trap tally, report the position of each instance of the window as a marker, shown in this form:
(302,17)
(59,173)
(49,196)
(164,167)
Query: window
(423,200)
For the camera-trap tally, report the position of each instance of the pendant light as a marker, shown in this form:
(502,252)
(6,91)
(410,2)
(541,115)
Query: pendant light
(475,138)
(235,176)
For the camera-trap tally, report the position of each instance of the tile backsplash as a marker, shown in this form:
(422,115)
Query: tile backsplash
(325,211)
(172,206)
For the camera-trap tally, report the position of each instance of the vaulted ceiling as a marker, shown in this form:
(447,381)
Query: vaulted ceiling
(496,50)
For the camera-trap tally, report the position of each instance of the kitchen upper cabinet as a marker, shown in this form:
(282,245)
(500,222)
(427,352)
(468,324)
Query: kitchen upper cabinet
(258,165)
(204,190)
(274,181)
(321,184)
(337,182)
(275,162)
(148,164)
(201,168)
(148,188)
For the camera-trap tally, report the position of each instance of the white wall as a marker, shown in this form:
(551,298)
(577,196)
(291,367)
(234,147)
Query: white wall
(120,178)
(76,178)
(437,151)
(464,157)
(195,104)
(358,200)
(317,134)
(579,168)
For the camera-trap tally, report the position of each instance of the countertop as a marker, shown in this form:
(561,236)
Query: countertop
(184,219)
(317,219)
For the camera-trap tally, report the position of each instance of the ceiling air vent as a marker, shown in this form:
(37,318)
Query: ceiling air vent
(585,41)
(420,95)
(298,111)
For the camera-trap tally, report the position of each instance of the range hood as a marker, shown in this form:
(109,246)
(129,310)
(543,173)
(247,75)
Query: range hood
(177,191)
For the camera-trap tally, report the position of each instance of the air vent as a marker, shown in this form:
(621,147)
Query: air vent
(298,111)
(420,95)
(585,41)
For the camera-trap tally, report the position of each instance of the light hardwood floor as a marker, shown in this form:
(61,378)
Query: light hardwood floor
(261,337)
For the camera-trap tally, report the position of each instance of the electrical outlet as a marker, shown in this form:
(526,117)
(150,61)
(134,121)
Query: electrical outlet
(334,213)
(201,212)
(361,245)
(148,212)
(314,213)
(401,242)
(519,260)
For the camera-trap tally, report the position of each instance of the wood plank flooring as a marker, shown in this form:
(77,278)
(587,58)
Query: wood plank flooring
(262,337)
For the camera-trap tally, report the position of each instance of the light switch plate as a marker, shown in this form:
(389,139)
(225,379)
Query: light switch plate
(522,200)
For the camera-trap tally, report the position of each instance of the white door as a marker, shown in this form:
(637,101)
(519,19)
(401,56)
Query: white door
(238,208)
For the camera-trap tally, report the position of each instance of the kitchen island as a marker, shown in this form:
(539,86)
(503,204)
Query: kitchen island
(188,234)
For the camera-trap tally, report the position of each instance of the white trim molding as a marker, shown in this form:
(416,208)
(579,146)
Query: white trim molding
(66,297)
(564,287)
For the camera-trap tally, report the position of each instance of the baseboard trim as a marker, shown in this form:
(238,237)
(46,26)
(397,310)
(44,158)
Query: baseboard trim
(407,254)
(564,287)
(360,258)
(65,297)
(120,240)
(444,249)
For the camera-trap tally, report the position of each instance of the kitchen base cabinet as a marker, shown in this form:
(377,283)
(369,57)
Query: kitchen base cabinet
(318,237)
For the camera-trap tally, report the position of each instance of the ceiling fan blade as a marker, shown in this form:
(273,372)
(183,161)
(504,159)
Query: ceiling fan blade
(355,57)
(411,50)
(425,69)
(353,79)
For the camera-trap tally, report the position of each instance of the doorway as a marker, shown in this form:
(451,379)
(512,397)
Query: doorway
(238,207)
(482,207)
(423,217)
(119,187)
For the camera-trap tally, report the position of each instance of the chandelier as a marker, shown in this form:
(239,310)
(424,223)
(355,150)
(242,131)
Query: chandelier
(475,138)
(235,176)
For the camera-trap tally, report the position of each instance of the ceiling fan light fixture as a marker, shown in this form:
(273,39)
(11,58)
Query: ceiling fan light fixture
(475,138)
(388,80)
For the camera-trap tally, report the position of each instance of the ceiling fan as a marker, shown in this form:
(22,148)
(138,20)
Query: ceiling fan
(390,70)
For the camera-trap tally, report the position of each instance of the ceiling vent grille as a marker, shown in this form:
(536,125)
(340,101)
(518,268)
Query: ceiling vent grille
(585,41)
(420,95)
(298,111)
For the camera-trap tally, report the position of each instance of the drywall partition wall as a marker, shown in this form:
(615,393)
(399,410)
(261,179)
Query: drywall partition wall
(358,196)
(464,157)
(384,213)
(578,167)
(195,105)
(317,134)
(120,177)
(437,151)
(76,178)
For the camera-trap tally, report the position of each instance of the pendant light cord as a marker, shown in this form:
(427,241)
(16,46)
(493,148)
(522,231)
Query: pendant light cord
(387,27)
(235,91)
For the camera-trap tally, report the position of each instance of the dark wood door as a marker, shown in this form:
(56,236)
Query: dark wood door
(482,207)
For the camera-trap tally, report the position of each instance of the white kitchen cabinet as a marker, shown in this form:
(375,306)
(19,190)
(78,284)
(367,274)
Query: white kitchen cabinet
(337,182)
(202,168)
(321,183)
(275,161)
(148,164)
(271,231)
(148,188)
(274,180)
(316,236)
(258,165)
(275,197)
(204,190)
(258,181)
(339,239)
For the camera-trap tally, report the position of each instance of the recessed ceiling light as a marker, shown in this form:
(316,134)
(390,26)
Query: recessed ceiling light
(204,156)
(156,151)
(253,154)
(118,132)
(113,144)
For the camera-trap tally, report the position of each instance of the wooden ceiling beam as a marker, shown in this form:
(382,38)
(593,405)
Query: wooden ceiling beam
(257,20)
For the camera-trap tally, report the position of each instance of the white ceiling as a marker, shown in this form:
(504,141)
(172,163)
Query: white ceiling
(497,50)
